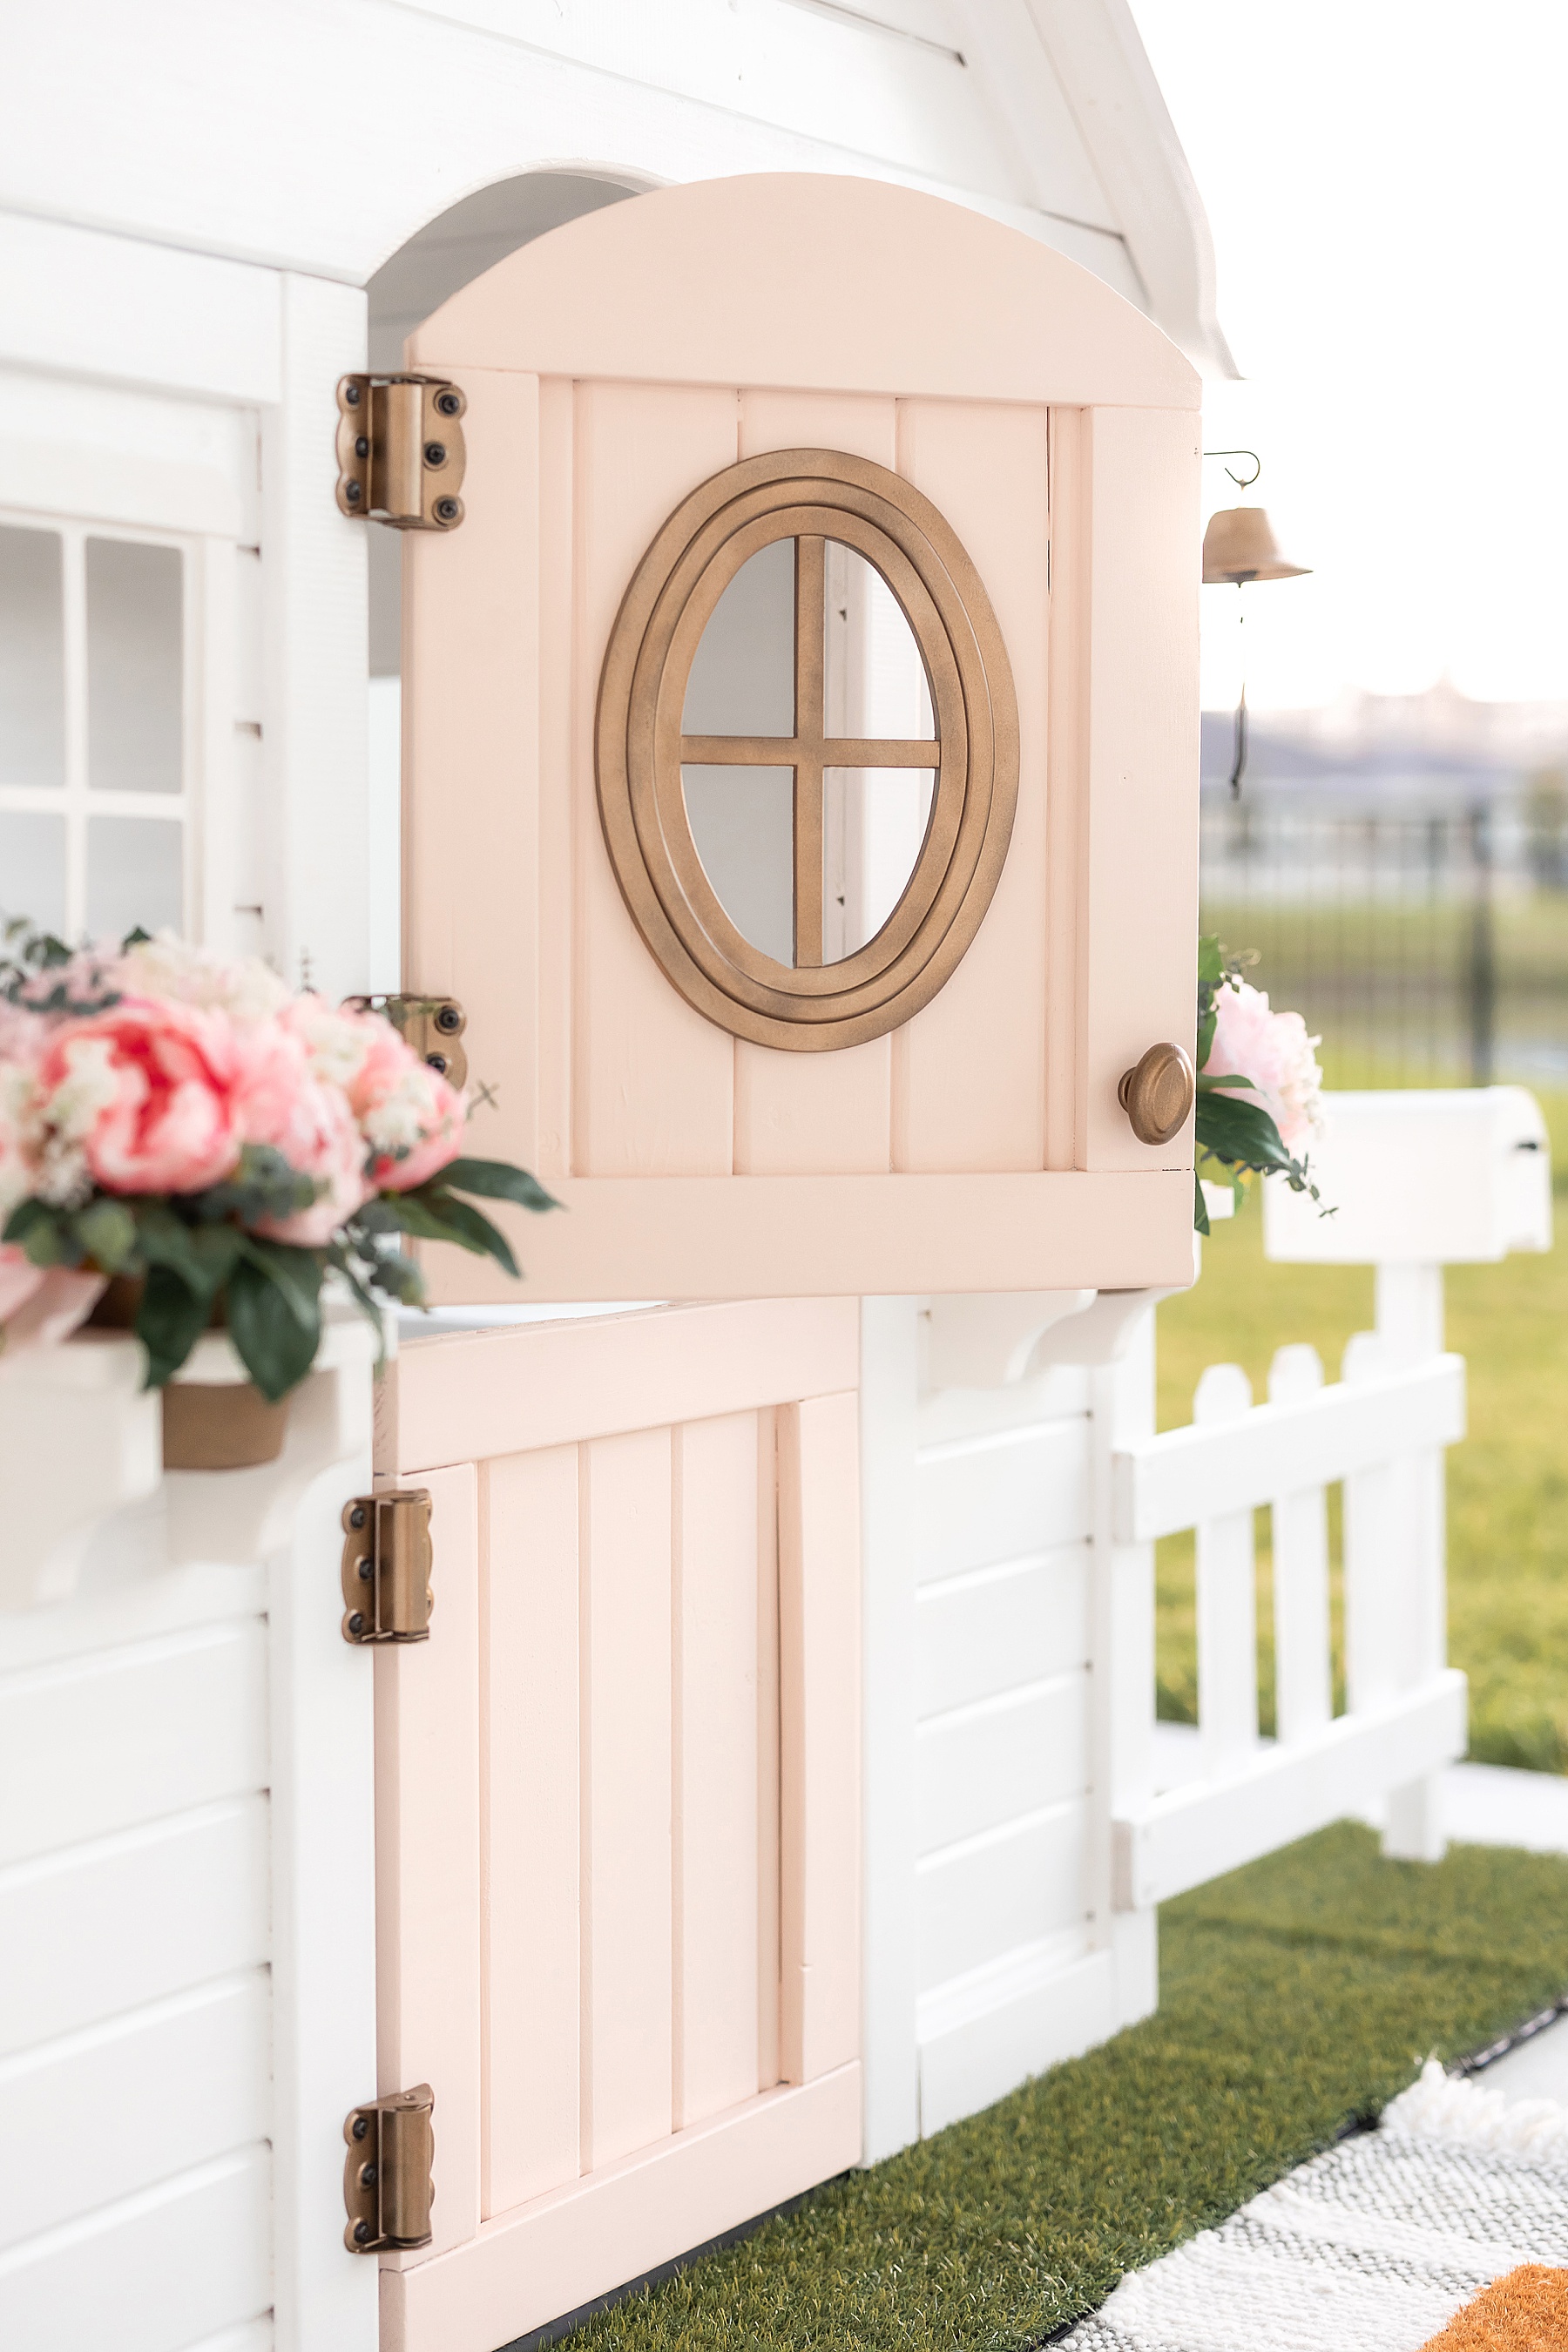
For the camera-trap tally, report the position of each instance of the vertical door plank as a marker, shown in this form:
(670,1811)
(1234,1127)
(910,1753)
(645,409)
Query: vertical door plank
(1067,771)
(819,1642)
(557,589)
(533,1962)
(653,1082)
(470,869)
(427,1857)
(969,1071)
(1139,838)
(716,1761)
(626,1847)
(813,1114)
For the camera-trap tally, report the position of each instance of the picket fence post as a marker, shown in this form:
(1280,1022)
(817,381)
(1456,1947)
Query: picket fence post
(1226,1599)
(1303,1677)
(1410,1332)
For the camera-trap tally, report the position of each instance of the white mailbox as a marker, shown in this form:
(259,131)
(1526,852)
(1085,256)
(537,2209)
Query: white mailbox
(1446,1176)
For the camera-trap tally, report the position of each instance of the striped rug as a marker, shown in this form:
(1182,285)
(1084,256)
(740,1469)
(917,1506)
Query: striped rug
(1446,2227)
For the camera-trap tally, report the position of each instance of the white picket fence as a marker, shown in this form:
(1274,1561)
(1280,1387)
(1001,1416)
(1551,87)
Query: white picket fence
(1378,1432)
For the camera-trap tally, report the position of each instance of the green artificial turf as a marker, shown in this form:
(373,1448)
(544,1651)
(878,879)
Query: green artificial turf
(1295,1995)
(1508,1481)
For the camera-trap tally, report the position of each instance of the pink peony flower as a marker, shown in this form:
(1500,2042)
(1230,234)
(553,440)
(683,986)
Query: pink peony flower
(319,1136)
(411,1119)
(140,1098)
(1275,1051)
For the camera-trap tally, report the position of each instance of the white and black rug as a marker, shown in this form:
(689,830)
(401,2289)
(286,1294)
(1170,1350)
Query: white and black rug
(1447,2225)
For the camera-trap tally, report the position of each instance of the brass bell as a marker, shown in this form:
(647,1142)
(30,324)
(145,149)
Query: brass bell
(1239,545)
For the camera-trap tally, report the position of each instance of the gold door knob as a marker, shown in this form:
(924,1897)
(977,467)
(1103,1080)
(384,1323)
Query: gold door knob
(1158,1094)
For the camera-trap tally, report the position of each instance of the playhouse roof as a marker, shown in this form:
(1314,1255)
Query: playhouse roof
(321,135)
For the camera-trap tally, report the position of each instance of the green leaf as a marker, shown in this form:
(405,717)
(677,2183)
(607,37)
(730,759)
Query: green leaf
(169,1321)
(106,1229)
(200,1254)
(296,1273)
(471,1231)
(1208,1084)
(1240,1132)
(1200,1206)
(44,1233)
(494,1179)
(274,1346)
(415,1215)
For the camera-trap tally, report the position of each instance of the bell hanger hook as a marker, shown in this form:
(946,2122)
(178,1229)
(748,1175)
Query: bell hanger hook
(1242,481)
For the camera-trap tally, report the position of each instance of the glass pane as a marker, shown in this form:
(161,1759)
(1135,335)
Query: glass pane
(875,680)
(134,665)
(134,875)
(874,824)
(33,868)
(743,821)
(743,678)
(32,659)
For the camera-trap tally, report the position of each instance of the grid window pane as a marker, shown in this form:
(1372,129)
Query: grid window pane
(134,875)
(33,868)
(32,659)
(134,665)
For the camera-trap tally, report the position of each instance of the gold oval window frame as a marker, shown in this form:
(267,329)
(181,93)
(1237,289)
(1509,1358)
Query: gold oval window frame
(810,495)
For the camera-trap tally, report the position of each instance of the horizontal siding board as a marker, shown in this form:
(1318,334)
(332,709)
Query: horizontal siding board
(985,1765)
(107,1926)
(976,1901)
(988,2055)
(1002,1498)
(173,2266)
(183,1719)
(998,1627)
(154,2093)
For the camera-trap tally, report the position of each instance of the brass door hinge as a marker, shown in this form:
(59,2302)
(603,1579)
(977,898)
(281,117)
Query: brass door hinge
(387,2187)
(387,1567)
(431,1024)
(401,452)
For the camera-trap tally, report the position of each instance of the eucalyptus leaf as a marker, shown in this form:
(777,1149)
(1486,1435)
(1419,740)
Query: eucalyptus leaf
(106,1229)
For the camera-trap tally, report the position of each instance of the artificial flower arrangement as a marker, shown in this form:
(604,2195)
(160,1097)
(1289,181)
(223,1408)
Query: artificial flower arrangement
(1259,1086)
(191,1133)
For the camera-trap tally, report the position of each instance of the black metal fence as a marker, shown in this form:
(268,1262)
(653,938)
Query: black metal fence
(1429,949)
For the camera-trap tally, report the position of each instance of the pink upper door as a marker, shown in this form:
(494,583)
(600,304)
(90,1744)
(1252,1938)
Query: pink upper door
(802,748)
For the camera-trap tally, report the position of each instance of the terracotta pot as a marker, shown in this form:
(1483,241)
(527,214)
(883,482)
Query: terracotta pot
(207,1424)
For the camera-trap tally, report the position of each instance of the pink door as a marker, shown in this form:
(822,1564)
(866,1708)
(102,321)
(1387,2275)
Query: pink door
(801,747)
(618,1796)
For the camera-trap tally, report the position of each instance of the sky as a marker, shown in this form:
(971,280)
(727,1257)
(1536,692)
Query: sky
(1387,186)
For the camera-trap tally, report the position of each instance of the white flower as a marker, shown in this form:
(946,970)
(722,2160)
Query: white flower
(1275,1051)
(245,988)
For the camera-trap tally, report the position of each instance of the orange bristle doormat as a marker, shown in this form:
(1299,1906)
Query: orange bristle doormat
(1524,2311)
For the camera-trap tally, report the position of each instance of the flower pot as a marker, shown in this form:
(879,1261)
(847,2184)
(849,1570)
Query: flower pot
(222,1424)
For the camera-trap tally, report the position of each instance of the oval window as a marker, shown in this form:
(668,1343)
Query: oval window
(808,750)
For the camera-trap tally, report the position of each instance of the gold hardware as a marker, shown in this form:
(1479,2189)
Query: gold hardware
(431,1024)
(387,1558)
(1158,1094)
(809,496)
(401,452)
(387,2187)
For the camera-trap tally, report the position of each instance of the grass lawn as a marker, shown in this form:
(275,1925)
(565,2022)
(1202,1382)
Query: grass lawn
(1295,1995)
(1508,1483)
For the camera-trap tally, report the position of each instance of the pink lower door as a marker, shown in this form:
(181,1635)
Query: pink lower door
(618,1797)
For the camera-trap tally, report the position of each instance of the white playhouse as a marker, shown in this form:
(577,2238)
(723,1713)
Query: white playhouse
(748,452)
